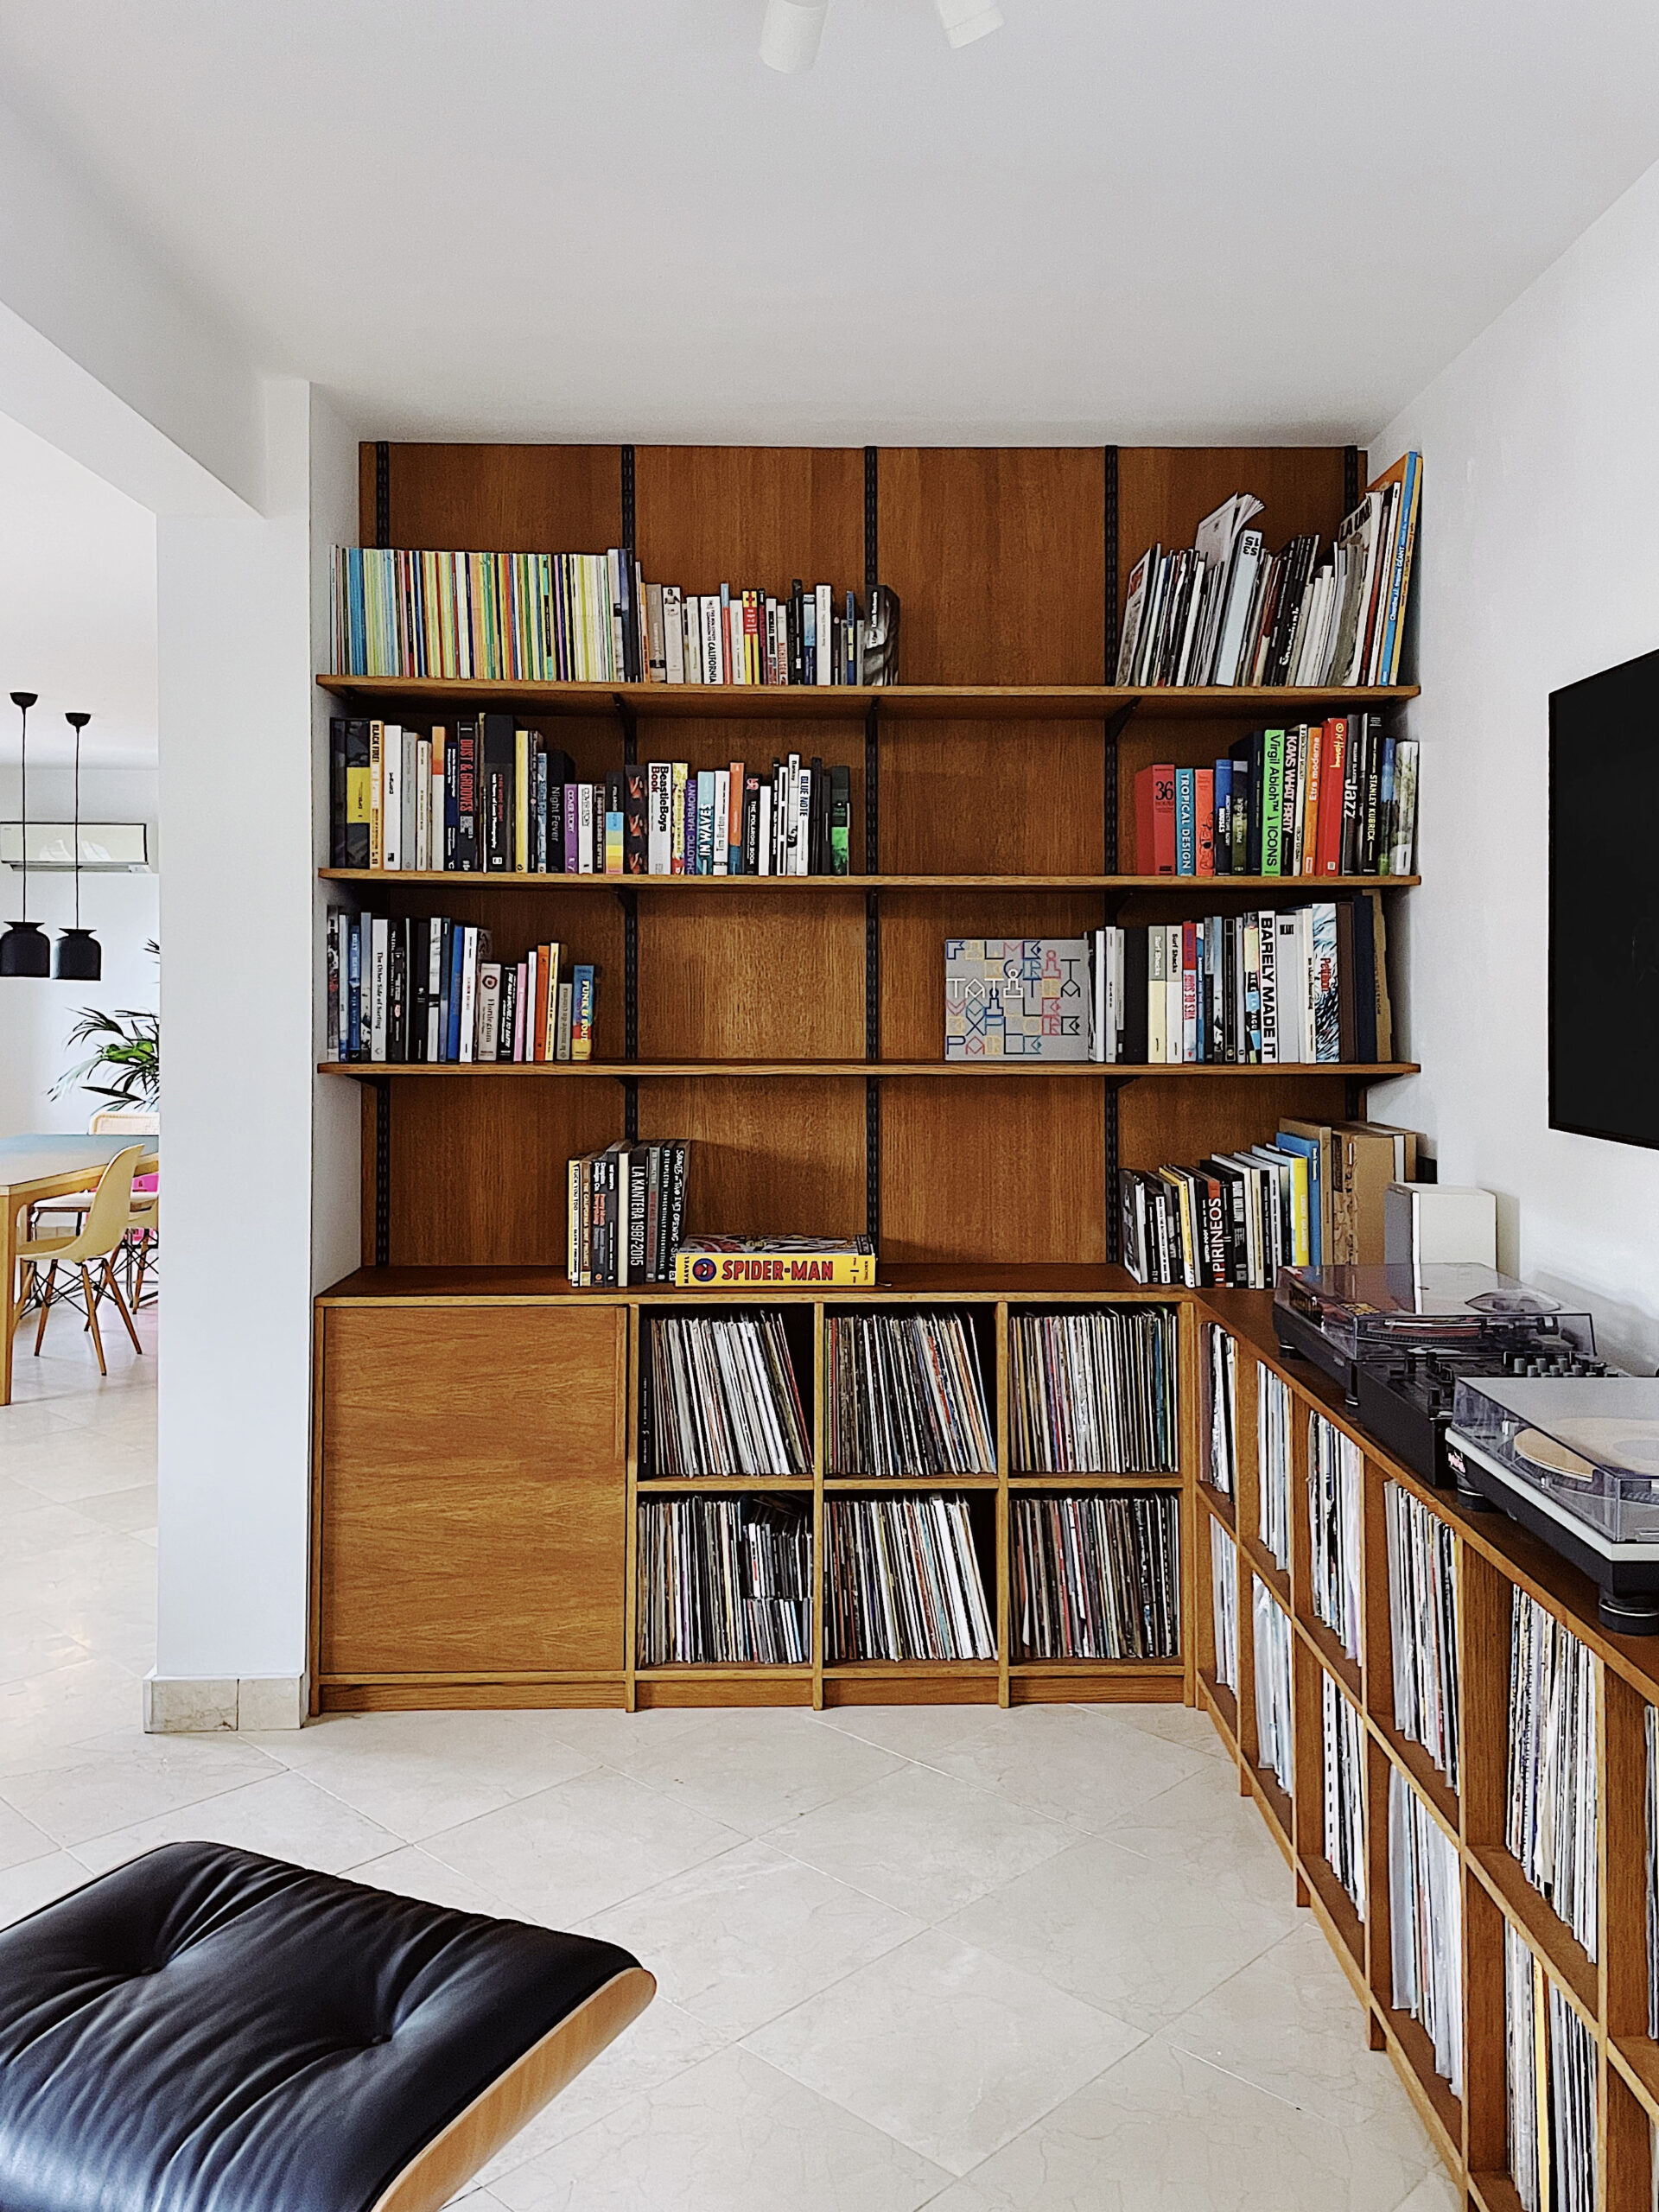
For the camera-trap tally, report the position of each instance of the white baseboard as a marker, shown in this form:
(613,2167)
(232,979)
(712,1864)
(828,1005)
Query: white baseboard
(185,1705)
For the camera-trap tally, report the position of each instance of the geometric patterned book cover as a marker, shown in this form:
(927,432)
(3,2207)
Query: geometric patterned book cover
(1016,998)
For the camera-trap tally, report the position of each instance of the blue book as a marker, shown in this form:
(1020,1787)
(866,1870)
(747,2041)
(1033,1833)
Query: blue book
(1309,1150)
(849,641)
(705,822)
(1187,822)
(1224,817)
(1385,808)
(457,966)
(810,637)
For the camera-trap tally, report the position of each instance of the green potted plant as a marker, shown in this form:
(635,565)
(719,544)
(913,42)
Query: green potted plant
(128,1045)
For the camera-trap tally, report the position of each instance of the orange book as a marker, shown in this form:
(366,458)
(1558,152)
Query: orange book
(1203,790)
(734,818)
(544,959)
(1334,753)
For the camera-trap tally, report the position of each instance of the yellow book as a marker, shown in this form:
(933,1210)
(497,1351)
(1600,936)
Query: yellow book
(1301,1243)
(782,1262)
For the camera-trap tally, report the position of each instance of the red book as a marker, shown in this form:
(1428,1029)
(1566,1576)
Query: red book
(1204,787)
(1333,763)
(1154,820)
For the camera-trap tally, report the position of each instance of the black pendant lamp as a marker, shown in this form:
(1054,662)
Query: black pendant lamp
(79,956)
(24,948)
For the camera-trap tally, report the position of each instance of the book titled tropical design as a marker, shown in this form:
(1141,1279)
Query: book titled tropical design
(1016,998)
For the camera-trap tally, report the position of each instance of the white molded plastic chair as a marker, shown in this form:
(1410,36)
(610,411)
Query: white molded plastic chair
(101,1234)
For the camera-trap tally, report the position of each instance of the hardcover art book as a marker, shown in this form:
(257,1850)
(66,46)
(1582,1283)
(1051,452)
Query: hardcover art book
(1016,998)
(720,1262)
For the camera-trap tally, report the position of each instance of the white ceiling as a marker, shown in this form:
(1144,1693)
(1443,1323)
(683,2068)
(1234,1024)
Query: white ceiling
(1177,219)
(77,608)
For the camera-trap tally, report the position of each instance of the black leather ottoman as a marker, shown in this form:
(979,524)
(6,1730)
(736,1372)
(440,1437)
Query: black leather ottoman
(203,2031)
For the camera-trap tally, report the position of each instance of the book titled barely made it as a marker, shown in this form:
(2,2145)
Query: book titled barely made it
(784,1262)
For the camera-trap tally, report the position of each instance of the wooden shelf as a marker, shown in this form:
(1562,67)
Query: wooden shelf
(898,703)
(899,1284)
(719,1486)
(1037,1670)
(900,1670)
(1050,1482)
(1539,1923)
(1297,886)
(864,1485)
(1046,1070)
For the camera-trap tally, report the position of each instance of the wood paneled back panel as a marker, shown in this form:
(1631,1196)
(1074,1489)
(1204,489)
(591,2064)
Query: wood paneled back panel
(498,499)
(755,516)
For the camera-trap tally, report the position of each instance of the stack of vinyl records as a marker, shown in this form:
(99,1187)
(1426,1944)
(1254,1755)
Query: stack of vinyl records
(720,1398)
(1550,2067)
(1273,1462)
(1276,1741)
(1425,1925)
(905,1580)
(1223,1600)
(1093,1394)
(1334,1479)
(1220,1472)
(1550,1819)
(724,1580)
(1344,1788)
(906,1397)
(1097,1577)
(1423,1626)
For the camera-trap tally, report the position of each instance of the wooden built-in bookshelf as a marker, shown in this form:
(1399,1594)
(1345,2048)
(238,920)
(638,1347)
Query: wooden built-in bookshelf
(477,1474)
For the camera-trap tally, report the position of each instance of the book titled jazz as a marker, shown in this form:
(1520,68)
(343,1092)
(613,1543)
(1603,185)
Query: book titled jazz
(738,1263)
(1016,998)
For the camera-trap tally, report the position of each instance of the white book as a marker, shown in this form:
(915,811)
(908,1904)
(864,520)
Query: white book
(535,983)
(408,793)
(722,820)
(764,867)
(1267,968)
(584,829)
(469,995)
(614,560)
(803,823)
(780,821)
(691,646)
(1174,1027)
(1241,592)
(792,813)
(737,658)
(1293,999)
(423,803)
(391,798)
(673,635)
(489,1008)
(714,659)
(1157,997)
(379,932)
(825,635)
(659,798)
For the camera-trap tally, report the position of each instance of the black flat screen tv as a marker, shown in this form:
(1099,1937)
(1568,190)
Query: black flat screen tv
(1603,905)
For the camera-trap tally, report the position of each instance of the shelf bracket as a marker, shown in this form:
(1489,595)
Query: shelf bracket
(1113,1209)
(1115,724)
(630,722)
(381,1170)
(630,1109)
(873,1160)
(629,902)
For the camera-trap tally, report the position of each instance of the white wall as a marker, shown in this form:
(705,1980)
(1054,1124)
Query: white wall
(123,910)
(1538,563)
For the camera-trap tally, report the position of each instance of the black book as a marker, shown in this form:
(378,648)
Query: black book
(840,820)
(796,632)
(1135,996)
(1373,792)
(509,1009)
(561,771)
(1364,967)
(419,970)
(818,819)
(498,791)
(356,846)
(337,792)
(397,992)
(638,1212)
(1353,784)
(467,796)
(1230,1176)
(630,625)
(1299,566)
(634,818)
(676,1205)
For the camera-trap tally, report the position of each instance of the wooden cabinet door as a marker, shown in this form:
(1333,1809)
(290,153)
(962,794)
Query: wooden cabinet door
(473,1496)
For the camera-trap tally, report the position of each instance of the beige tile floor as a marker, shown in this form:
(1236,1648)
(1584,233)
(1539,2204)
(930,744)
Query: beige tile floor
(1038,1961)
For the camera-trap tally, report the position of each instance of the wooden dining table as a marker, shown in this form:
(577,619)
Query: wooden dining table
(34,1167)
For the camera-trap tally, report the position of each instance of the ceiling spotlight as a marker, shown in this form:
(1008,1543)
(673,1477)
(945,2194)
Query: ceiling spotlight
(789,39)
(966,20)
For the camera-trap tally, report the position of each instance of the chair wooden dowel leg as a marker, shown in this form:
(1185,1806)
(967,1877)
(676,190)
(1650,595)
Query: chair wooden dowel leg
(92,1317)
(46,1305)
(143,1260)
(121,1306)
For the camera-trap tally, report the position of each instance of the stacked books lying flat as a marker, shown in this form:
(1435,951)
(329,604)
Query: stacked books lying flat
(1334,1480)
(1224,612)
(1221,1460)
(422,990)
(1298,986)
(1224,1604)
(1333,799)
(1423,1626)
(1425,1925)
(905,1580)
(1276,1736)
(906,1397)
(793,1262)
(1550,2083)
(1094,1393)
(1550,1819)
(720,1398)
(1313,1197)
(1097,1577)
(1343,1736)
(724,1581)
(579,618)
(490,796)
(624,1211)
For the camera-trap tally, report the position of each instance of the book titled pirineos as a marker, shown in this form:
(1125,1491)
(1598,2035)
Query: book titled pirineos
(782,1263)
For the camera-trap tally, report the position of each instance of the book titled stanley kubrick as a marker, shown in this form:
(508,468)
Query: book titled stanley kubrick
(739,1262)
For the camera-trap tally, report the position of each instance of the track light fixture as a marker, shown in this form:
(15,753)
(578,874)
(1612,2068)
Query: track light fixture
(794,29)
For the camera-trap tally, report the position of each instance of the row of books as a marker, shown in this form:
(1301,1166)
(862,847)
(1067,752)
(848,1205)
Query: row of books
(1425,1926)
(1313,1197)
(1423,1626)
(1551,1779)
(1094,1393)
(1223,610)
(1291,986)
(905,1580)
(579,618)
(1337,797)
(1342,1733)
(906,1397)
(1223,1603)
(1273,1416)
(720,1397)
(724,1581)
(420,989)
(1335,1513)
(1275,1735)
(1097,1577)
(1221,1449)
(495,797)
(1550,2087)
(624,1210)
